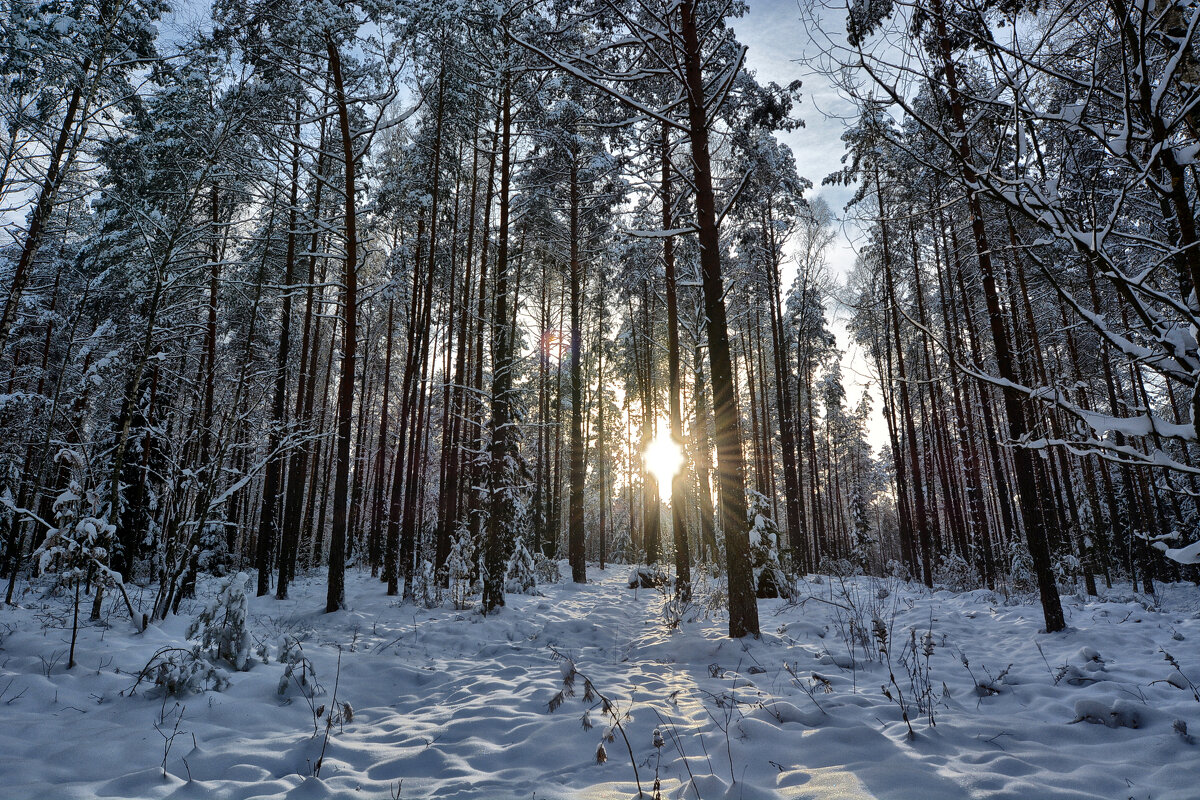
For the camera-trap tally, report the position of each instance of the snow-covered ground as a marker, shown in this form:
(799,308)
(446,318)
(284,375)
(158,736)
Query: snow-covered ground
(448,704)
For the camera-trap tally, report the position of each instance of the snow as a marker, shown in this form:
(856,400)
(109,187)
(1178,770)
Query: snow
(446,703)
(1183,555)
(1187,153)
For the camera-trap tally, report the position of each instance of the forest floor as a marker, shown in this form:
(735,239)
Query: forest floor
(449,704)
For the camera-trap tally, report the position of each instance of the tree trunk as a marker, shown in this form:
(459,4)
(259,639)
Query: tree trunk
(336,595)
(683,562)
(743,605)
(502,449)
(267,526)
(374,540)
(575,530)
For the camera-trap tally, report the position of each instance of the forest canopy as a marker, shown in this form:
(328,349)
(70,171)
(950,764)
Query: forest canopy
(449,291)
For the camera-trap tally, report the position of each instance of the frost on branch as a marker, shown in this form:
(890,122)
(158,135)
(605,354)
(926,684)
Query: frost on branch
(1182,555)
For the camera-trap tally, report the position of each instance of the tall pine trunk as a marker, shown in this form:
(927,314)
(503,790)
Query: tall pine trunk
(731,468)
(502,450)
(683,562)
(575,530)
(336,596)
(268,519)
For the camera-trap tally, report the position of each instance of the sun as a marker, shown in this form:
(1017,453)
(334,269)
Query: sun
(664,459)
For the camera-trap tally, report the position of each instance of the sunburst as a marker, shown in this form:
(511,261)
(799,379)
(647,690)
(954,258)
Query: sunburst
(664,459)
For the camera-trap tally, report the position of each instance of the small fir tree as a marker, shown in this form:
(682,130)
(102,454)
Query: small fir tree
(770,580)
(222,625)
(521,575)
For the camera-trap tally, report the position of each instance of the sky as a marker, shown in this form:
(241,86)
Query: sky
(779,44)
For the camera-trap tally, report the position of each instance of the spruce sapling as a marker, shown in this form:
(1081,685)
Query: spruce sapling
(222,624)
(520,577)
